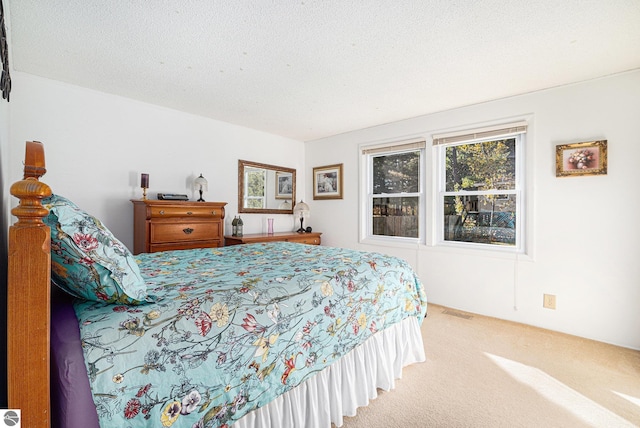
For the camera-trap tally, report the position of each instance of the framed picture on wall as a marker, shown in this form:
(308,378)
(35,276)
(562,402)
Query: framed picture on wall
(589,158)
(327,182)
(284,185)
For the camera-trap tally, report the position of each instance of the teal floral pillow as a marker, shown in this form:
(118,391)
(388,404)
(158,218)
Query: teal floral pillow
(87,261)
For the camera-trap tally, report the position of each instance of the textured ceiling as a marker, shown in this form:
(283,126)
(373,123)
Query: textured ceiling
(310,69)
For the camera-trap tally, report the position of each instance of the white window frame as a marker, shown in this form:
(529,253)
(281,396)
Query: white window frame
(368,152)
(515,130)
(247,197)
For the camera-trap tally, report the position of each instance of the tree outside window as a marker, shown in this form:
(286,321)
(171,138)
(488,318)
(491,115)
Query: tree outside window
(254,188)
(480,197)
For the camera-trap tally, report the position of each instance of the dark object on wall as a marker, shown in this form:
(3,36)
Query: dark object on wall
(4,256)
(5,82)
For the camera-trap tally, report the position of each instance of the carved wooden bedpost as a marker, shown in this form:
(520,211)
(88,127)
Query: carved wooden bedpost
(28,296)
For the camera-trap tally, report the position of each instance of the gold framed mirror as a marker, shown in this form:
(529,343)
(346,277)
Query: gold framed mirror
(264,188)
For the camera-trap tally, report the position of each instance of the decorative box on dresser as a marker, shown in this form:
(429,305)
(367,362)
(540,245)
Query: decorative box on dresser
(160,225)
(311,238)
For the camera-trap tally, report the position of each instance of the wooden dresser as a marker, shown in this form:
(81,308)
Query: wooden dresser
(176,225)
(312,238)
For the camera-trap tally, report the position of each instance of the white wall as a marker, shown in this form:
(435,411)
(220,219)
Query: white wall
(96,146)
(584,231)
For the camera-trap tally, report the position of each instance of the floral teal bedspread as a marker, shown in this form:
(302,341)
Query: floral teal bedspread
(234,327)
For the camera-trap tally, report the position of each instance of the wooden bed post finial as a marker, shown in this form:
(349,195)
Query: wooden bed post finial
(28,296)
(34,160)
(30,191)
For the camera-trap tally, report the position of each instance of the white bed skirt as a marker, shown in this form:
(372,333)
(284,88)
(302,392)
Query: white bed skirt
(347,384)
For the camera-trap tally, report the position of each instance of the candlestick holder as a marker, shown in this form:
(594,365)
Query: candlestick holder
(144,183)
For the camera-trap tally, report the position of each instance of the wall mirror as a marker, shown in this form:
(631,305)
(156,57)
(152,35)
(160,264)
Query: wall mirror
(265,188)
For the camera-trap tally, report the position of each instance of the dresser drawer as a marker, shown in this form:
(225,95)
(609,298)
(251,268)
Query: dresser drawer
(191,211)
(185,231)
(298,238)
(311,240)
(170,246)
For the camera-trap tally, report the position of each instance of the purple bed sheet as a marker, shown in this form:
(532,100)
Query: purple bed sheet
(71,402)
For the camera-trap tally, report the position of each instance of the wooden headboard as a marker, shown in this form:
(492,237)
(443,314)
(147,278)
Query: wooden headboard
(28,296)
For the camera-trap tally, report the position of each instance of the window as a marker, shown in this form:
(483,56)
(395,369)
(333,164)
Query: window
(255,179)
(394,197)
(480,186)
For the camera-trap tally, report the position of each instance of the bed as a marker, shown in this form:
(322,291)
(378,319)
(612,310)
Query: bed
(271,334)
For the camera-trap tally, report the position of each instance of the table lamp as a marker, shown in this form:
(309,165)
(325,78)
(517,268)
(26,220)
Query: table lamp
(200,184)
(300,211)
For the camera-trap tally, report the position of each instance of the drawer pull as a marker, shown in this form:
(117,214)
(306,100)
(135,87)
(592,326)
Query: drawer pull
(187,231)
(161,212)
(189,213)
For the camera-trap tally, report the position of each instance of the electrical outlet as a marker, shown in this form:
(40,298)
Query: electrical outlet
(549,301)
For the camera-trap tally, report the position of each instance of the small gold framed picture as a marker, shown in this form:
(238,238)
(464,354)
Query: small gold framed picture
(589,158)
(327,182)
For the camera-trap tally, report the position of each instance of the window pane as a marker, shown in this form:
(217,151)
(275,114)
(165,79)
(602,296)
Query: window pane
(254,203)
(254,188)
(484,219)
(481,166)
(396,173)
(396,216)
(255,183)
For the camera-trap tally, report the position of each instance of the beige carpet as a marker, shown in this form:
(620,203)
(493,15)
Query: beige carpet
(484,372)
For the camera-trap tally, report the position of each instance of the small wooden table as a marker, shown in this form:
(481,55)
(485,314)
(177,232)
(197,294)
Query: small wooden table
(311,238)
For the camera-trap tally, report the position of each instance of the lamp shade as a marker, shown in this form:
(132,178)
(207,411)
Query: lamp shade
(286,205)
(301,209)
(200,183)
